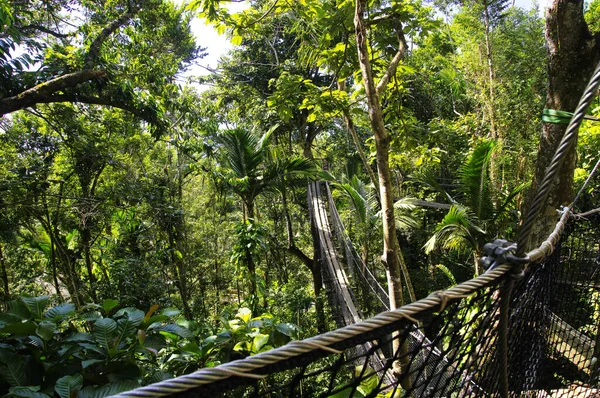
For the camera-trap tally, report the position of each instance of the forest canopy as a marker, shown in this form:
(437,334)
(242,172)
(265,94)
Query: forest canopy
(152,224)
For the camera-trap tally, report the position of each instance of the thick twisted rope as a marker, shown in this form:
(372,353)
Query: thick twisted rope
(248,366)
(323,342)
(558,160)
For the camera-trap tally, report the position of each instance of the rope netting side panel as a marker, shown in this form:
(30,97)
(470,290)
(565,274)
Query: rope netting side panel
(452,362)
(556,317)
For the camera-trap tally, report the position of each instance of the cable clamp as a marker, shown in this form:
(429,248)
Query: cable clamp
(500,252)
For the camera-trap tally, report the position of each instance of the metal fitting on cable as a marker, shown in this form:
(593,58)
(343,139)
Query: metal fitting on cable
(500,252)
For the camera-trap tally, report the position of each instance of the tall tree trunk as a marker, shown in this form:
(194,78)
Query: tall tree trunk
(4,270)
(391,250)
(382,143)
(573,52)
(490,66)
(86,237)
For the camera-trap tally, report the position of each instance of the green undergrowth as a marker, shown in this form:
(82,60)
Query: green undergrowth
(101,350)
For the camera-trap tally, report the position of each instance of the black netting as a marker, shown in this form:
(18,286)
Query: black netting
(447,356)
(454,351)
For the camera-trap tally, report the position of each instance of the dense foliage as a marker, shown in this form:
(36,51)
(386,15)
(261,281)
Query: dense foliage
(128,190)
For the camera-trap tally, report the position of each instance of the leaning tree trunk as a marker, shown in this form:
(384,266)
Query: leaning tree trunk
(573,53)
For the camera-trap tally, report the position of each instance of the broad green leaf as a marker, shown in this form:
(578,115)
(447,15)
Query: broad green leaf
(20,329)
(46,330)
(79,337)
(67,386)
(159,376)
(104,331)
(125,329)
(109,304)
(36,305)
(14,372)
(259,341)
(26,392)
(18,308)
(175,329)
(287,329)
(60,312)
(8,318)
(89,362)
(244,314)
(107,389)
(90,316)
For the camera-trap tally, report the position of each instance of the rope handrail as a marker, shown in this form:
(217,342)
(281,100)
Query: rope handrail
(324,344)
(250,365)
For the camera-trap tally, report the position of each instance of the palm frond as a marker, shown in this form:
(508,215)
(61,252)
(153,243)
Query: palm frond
(358,201)
(475,184)
(501,211)
(242,151)
(428,179)
(457,231)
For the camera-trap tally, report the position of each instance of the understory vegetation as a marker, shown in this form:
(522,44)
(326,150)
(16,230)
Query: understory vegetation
(154,222)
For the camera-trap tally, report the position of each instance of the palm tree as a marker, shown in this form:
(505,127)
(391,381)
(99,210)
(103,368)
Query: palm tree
(254,168)
(477,212)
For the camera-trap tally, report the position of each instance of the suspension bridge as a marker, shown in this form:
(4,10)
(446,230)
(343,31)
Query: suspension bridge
(528,327)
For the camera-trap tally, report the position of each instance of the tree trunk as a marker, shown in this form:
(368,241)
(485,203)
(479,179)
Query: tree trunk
(573,52)
(86,237)
(391,250)
(382,143)
(4,275)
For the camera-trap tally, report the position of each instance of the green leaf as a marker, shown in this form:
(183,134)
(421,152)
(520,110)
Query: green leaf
(46,330)
(109,304)
(107,389)
(244,314)
(14,371)
(125,329)
(159,376)
(175,329)
(67,386)
(60,312)
(26,392)
(155,343)
(20,329)
(18,308)
(259,341)
(134,315)
(79,337)
(104,331)
(89,362)
(236,40)
(288,329)
(36,305)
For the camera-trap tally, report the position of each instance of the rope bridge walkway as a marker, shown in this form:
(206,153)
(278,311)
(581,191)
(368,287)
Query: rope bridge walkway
(528,327)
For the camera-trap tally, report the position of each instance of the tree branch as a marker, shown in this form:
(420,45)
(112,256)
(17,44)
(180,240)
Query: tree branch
(43,91)
(391,70)
(103,101)
(43,29)
(96,45)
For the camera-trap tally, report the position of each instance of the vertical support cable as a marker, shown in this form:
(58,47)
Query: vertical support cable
(506,290)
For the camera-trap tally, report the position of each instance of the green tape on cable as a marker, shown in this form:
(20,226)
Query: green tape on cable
(562,117)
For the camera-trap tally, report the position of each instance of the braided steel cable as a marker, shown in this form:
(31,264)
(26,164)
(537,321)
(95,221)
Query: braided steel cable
(557,161)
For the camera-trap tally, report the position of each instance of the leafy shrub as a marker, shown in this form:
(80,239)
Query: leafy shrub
(98,351)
